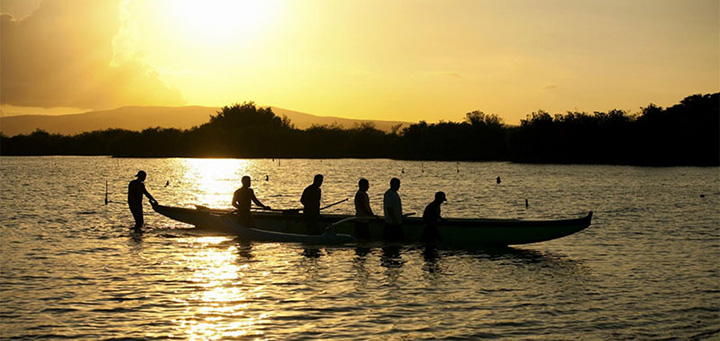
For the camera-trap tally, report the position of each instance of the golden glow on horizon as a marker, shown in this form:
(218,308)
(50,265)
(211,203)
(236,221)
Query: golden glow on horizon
(373,59)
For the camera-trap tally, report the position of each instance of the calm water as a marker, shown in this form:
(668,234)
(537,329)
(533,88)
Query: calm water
(647,267)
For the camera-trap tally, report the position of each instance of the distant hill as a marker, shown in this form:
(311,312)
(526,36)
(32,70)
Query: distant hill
(304,121)
(139,118)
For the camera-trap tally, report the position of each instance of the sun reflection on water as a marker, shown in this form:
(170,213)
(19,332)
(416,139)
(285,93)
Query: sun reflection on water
(218,309)
(214,180)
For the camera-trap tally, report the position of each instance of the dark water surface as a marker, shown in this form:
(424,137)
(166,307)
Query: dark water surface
(646,268)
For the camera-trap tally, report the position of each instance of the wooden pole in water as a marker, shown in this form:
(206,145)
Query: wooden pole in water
(106,192)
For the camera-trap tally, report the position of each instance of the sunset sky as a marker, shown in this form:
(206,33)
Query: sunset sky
(404,60)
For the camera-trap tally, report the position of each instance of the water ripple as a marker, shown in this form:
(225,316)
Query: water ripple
(645,269)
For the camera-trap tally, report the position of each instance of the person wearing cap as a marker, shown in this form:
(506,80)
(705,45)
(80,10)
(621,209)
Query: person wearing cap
(136,190)
(431,217)
(242,199)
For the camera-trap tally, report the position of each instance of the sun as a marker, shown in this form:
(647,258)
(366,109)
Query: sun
(215,21)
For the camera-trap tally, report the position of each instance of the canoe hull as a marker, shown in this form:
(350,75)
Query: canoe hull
(453,231)
(221,221)
(465,232)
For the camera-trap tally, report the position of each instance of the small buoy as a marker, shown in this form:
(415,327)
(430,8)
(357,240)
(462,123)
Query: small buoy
(526,203)
(167,183)
(498,179)
(267,177)
(702,195)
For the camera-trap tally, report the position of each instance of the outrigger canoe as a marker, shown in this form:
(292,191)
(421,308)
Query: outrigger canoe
(453,231)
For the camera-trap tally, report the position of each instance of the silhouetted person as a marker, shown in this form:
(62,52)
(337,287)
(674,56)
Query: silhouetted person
(136,190)
(392,206)
(243,199)
(431,217)
(311,205)
(363,212)
(498,179)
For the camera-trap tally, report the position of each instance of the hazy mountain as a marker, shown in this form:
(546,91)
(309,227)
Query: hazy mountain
(304,121)
(139,118)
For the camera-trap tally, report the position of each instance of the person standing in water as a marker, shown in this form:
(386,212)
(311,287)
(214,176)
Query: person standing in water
(243,199)
(392,206)
(363,212)
(431,217)
(311,205)
(136,190)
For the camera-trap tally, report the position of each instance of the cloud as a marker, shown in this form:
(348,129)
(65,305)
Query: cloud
(62,56)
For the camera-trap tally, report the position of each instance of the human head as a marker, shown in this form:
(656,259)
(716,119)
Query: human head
(363,184)
(440,197)
(394,184)
(141,175)
(245,181)
(318,180)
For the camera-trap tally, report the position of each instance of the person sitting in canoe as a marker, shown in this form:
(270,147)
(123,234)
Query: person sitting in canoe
(242,199)
(431,217)
(311,205)
(136,190)
(363,212)
(392,206)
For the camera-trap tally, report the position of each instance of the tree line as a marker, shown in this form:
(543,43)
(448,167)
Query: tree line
(687,133)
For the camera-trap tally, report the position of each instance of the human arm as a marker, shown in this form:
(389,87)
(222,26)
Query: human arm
(257,202)
(149,196)
(304,197)
(366,206)
(234,202)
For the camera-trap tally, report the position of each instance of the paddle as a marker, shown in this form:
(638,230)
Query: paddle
(331,205)
(297,210)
